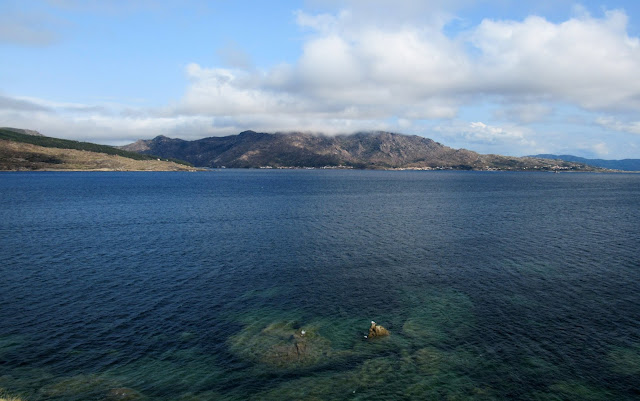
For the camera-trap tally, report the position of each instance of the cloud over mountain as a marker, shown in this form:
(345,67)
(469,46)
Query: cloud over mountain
(410,66)
(416,71)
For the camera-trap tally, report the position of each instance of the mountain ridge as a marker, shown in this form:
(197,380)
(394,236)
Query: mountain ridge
(621,164)
(364,150)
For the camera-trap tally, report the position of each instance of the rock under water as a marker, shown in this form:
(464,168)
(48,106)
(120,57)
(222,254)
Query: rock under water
(282,345)
(123,394)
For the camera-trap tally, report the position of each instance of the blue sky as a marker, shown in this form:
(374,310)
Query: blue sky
(494,76)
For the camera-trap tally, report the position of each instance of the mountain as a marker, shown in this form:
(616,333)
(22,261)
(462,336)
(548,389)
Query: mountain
(29,150)
(376,150)
(624,165)
(21,131)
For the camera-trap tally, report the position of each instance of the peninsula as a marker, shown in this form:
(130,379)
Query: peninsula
(27,150)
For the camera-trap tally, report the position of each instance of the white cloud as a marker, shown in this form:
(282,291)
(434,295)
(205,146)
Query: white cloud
(382,65)
(113,130)
(352,67)
(361,75)
(478,132)
(103,123)
(601,149)
(611,123)
(588,61)
(224,92)
(328,64)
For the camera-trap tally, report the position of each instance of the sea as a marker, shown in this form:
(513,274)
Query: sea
(262,285)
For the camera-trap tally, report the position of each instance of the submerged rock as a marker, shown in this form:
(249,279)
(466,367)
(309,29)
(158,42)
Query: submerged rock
(75,386)
(438,316)
(123,394)
(282,345)
(377,331)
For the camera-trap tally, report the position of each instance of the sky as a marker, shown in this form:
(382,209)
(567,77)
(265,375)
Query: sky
(512,77)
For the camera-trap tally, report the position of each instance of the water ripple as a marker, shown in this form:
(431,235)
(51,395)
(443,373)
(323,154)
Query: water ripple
(494,286)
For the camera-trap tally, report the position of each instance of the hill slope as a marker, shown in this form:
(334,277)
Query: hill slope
(377,150)
(20,131)
(35,138)
(31,151)
(625,164)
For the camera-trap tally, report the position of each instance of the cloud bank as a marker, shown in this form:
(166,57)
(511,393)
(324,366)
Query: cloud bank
(356,70)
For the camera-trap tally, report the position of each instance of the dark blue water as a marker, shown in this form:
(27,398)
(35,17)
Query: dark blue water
(197,286)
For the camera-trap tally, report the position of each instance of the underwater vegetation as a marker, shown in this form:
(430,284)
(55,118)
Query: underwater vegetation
(283,344)
(430,354)
(626,360)
(5,397)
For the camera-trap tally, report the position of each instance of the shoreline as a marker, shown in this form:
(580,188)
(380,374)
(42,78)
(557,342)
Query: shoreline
(203,169)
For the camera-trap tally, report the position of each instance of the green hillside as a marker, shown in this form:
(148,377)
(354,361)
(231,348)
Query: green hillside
(49,142)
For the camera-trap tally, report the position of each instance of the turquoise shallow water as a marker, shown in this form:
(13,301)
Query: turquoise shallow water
(196,286)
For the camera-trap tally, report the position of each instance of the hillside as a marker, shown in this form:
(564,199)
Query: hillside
(35,138)
(32,151)
(624,164)
(378,150)
(31,132)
